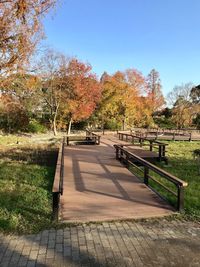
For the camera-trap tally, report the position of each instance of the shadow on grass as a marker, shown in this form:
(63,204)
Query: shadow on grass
(41,155)
(26,179)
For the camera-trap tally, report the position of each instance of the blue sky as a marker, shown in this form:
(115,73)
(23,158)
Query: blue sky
(119,34)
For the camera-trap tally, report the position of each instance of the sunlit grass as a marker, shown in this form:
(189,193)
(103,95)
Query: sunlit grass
(183,165)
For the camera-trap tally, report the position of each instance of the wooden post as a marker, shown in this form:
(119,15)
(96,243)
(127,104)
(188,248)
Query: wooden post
(140,141)
(160,152)
(56,199)
(190,138)
(151,145)
(67,140)
(121,153)
(174,136)
(164,150)
(146,175)
(117,153)
(127,160)
(180,198)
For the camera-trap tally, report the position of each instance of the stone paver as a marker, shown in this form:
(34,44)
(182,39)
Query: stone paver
(150,243)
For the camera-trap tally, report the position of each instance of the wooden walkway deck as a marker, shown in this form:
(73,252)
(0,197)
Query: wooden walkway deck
(151,156)
(98,188)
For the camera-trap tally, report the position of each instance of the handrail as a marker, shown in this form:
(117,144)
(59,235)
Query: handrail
(175,134)
(152,143)
(180,184)
(57,189)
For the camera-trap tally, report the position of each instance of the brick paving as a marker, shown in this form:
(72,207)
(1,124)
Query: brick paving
(150,243)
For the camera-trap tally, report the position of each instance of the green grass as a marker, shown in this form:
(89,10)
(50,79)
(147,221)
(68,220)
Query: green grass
(26,178)
(183,165)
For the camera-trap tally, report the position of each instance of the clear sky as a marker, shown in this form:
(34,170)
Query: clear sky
(118,34)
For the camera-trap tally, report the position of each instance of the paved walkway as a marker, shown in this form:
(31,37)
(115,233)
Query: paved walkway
(161,243)
(98,188)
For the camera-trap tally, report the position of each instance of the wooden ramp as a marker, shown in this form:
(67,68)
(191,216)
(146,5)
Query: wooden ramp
(98,188)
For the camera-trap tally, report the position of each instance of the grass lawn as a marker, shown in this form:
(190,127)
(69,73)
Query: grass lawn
(26,178)
(183,165)
(27,167)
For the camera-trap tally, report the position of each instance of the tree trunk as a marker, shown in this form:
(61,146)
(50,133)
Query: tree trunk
(69,126)
(54,126)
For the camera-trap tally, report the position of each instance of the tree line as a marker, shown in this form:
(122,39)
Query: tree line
(58,91)
(64,90)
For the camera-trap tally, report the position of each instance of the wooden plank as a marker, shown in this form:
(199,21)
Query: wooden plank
(97,188)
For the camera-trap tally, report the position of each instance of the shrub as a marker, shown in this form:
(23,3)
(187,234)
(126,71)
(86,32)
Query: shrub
(36,127)
(112,125)
(196,121)
(165,123)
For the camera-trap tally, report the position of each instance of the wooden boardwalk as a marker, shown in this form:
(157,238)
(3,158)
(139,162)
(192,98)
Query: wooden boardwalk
(98,188)
(139,151)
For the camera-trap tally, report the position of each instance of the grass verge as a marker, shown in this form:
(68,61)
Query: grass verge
(183,165)
(26,178)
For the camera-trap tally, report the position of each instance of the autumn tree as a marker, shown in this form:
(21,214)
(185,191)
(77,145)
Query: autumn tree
(122,98)
(13,116)
(155,95)
(24,88)
(112,105)
(54,88)
(138,108)
(70,91)
(84,91)
(20,31)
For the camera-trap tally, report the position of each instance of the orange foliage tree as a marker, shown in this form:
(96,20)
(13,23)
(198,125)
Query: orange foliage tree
(124,99)
(20,30)
(70,90)
(84,94)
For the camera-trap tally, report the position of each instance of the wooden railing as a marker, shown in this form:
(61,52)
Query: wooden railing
(153,144)
(131,159)
(58,181)
(93,136)
(168,134)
